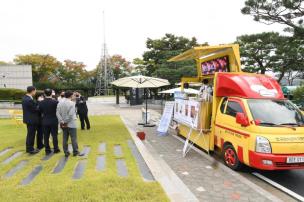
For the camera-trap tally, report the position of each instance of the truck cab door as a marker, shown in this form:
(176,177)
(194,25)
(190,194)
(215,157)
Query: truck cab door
(226,126)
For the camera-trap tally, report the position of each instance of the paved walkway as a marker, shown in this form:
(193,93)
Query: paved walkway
(204,177)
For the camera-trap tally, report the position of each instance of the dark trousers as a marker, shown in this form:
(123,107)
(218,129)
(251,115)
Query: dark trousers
(39,139)
(30,137)
(84,120)
(47,131)
(32,130)
(72,132)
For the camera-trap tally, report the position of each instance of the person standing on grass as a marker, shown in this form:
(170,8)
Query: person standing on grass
(30,118)
(66,114)
(61,96)
(39,135)
(82,111)
(49,121)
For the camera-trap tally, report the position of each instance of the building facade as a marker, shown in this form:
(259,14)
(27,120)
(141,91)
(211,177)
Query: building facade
(15,76)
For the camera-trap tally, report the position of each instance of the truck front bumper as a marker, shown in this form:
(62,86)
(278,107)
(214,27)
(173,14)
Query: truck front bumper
(273,161)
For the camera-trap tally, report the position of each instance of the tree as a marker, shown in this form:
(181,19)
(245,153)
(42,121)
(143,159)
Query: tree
(287,12)
(48,72)
(290,55)
(271,52)
(43,66)
(71,74)
(139,67)
(291,76)
(121,67)
(258,51)
(161,50)
(75,71)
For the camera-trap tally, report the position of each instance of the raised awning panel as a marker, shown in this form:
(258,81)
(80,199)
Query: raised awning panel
(207,53)
(247,86)
(201,51)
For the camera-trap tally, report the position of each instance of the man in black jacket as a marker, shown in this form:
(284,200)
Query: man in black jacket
(30,118)
(49,121)
(82,111)
(39,134)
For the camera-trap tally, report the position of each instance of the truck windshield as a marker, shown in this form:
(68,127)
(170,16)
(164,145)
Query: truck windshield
(275,112)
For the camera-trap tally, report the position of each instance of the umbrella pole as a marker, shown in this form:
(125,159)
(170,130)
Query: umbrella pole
(146,106)
(146,124)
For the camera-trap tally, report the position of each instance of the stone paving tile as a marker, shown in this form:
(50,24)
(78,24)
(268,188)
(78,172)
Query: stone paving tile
(219,185)
(15,169)
(79,170)
(32,175)
(12,157)
(86,150)
(102,147)
(117,150)
(4,151)
(60,165)
(143,168)
(121,168)
(47,157)
(100,163)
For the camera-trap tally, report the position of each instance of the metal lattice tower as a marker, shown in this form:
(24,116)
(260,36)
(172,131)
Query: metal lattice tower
(104,71)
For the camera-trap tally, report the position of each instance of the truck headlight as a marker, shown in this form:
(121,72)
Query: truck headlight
(262,145)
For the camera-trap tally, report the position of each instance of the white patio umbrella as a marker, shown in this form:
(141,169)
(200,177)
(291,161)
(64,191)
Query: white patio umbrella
(141,82)
(196,84)
(188,91)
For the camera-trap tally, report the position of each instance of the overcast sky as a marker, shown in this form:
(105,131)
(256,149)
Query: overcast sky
(72,29)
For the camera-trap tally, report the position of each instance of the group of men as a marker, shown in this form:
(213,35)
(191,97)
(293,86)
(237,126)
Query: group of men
(43,115)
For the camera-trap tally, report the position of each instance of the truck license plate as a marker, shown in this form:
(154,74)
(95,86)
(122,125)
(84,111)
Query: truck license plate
(294,159)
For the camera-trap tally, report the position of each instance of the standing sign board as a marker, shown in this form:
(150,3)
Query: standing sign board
(166,118)
(186,112)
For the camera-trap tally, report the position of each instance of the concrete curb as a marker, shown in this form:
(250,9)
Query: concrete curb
(174,187)
(234,174)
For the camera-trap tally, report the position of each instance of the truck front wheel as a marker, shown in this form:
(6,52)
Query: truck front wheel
(230,157)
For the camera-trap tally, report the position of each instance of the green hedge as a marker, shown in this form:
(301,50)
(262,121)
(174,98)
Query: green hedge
(11,94)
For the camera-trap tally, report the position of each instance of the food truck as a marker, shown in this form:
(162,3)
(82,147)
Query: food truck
(247,118)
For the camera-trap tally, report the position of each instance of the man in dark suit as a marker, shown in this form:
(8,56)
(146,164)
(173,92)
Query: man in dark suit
(30,118)
(82,111)
(39,134)
(49,121)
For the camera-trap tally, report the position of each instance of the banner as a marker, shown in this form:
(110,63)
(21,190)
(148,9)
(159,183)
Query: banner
(186,112)
(166,118)
(216,65)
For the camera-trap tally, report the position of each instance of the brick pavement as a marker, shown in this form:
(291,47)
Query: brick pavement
(204,178)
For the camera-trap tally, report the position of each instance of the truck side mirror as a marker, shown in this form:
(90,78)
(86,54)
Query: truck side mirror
(242,119)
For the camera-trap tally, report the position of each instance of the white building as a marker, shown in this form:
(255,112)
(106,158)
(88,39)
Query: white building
(15,76)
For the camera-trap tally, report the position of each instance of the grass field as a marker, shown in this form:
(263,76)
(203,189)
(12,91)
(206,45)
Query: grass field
(93,186)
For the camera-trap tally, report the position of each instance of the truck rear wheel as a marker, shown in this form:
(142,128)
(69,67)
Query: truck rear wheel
(230,157)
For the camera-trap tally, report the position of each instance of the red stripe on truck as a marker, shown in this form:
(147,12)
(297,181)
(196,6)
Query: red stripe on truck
(240,154)
(235,131)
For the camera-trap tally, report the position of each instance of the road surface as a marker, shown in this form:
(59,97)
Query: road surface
(292,179)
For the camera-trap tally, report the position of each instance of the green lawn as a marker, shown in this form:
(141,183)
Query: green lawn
(93,186)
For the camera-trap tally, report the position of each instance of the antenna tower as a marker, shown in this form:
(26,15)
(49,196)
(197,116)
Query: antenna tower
(104,71)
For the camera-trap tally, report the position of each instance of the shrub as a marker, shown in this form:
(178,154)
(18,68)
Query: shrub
(11,94)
